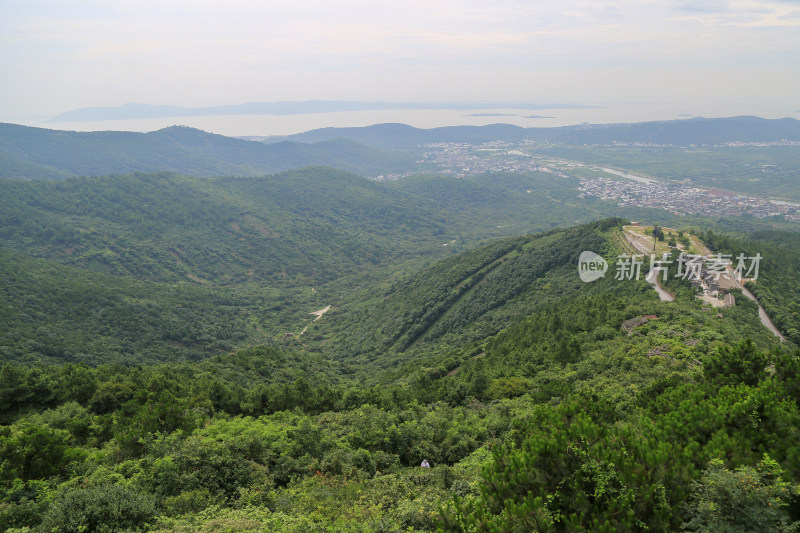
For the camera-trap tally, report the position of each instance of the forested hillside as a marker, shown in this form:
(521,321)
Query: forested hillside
(300,227)
(466,297)
(505,203)
(283,352)
(550,417)
(53,313)
(37,153)
(779,275)
(686,132)
(169,267)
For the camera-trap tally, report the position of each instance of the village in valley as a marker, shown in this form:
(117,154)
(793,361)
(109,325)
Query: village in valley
(684,199)
(621,186)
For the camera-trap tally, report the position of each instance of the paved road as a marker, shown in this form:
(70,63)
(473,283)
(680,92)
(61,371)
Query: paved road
(652,276)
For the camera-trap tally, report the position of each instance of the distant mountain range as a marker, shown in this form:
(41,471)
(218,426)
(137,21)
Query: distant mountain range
(694,131)
(37,153)
(136,111)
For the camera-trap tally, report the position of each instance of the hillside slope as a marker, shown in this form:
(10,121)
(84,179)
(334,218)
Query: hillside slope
(559,417)
(301,227)
(37,153)
(57,314)
(469,297)
(698,131)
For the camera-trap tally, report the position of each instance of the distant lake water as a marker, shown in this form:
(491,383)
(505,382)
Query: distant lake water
(265,125)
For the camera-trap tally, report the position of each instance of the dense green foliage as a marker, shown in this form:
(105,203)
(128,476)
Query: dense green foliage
(464,298)
(36,153)
(300,228)
(778,285)
(160,369)
(50,312)
(565,392)
(584,466)
(534,200)
(282,246)
(288,228)
(535,408)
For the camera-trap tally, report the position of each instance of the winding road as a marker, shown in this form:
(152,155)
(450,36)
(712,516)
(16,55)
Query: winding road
(652,278)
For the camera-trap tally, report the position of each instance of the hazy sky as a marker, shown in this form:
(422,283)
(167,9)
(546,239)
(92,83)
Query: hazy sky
(60,55)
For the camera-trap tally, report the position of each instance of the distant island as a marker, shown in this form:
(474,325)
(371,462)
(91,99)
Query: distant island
(491,115)
(143,111)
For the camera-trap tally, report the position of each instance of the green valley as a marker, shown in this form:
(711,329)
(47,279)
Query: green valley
(311,350)
(499,356)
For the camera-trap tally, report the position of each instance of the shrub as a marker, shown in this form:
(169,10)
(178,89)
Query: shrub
(101,509)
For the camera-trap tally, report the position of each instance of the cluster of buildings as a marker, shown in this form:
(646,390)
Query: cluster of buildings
(393,177)
(782,142)
(701,278)
(684,199)
(712,285)
(463,159)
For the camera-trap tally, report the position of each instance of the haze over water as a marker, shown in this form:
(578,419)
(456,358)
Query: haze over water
(265,125)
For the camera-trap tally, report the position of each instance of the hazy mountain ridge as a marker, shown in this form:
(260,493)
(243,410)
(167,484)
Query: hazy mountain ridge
(30,153)
(676,132)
